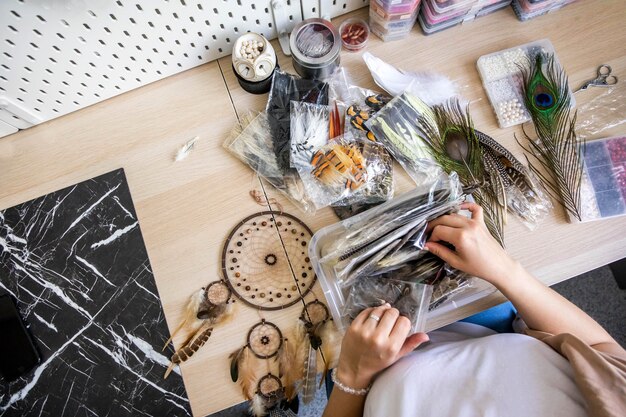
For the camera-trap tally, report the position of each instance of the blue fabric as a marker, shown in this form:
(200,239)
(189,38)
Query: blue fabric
(498,318)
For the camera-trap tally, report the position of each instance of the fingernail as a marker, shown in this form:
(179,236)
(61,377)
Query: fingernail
(387,305)
(426,249)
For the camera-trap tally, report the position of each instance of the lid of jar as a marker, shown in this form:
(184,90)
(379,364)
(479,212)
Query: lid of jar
(315,43)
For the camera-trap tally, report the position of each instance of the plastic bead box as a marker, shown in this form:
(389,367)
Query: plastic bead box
(436,16)
(603,188)
(528,9)
(502,79)
(392,20)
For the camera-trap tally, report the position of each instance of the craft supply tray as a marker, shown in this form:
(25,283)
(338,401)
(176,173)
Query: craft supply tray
(396,6)
(335,297)
(502,79)
(603,188)
(387,15)
(431,23)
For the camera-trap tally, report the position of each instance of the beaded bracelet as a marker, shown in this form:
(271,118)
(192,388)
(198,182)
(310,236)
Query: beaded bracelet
(346,389)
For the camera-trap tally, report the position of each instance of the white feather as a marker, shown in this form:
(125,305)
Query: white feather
(257,406)
(184,150)
(431,87)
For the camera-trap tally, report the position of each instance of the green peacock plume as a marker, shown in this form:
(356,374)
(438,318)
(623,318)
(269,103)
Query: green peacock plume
(556,148)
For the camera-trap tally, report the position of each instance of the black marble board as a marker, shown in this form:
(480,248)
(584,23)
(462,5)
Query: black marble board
(76,262)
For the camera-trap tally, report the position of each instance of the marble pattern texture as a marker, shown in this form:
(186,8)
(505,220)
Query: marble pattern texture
(76,262)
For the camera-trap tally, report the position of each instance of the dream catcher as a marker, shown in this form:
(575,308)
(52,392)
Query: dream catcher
(258,384)
(208,307)
(265,260)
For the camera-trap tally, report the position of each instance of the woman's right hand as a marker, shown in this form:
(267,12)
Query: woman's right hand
(376,339)
(475,251)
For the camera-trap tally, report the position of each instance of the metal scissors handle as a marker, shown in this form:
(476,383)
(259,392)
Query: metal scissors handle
(603,78)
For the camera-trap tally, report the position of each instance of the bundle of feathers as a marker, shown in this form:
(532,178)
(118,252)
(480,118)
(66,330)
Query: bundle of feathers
(297,365)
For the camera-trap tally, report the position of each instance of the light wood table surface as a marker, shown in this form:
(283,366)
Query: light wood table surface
(187,209)
(585,34)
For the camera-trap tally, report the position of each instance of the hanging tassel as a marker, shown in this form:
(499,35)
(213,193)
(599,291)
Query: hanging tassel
(190,321)
(246,373)
(288,369)
(330,340)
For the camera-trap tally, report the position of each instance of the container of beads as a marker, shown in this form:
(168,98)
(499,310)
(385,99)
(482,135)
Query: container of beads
(354,34)
(434,17)
(501,74)
(254,62)
(603,186)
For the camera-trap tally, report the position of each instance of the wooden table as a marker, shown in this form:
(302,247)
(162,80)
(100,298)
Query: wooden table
(186,209)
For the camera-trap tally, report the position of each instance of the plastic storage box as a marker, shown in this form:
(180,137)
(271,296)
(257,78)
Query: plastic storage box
(392,20)
(436,16)
(502,79)
(528,9)
(603,188)
(336,299)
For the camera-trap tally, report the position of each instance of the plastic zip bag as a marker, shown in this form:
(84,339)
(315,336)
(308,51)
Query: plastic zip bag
(337,171)
(411,299)
(396,127)
(285,89)
(377,222)
(252,143)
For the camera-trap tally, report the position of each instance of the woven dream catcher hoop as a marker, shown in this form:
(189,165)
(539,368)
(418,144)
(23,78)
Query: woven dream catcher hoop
(265,260)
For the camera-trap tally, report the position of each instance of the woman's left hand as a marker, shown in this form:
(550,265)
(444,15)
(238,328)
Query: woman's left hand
(376,339)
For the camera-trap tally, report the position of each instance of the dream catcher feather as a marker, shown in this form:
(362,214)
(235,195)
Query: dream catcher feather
(557,148)
(207,308)
(262,388)
(316,334)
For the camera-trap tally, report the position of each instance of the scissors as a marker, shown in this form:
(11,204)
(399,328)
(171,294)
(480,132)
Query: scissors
(603,79)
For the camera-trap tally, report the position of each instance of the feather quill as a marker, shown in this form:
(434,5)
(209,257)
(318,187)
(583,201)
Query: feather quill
(187,351)
(308,384)
(301,347)
(557,147)
(190,321)
(186,149)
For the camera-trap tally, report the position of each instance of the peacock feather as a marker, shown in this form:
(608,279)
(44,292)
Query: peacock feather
(557,148)
(448,132)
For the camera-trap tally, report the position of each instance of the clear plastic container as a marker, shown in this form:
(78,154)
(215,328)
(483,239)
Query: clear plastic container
(392,26)
(502,79)
(329,237)
(390,16)
(396,6)
(354,34)
(526,10)
(432,23)
(603,188)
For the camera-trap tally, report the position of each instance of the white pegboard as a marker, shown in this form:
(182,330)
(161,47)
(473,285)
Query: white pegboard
(57,56)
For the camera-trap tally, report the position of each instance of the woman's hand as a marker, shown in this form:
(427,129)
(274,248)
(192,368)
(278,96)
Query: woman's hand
(475,250)
(371,345)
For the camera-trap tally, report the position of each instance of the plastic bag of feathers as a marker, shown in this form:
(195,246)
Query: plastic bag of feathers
(251,142)
(285,89)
